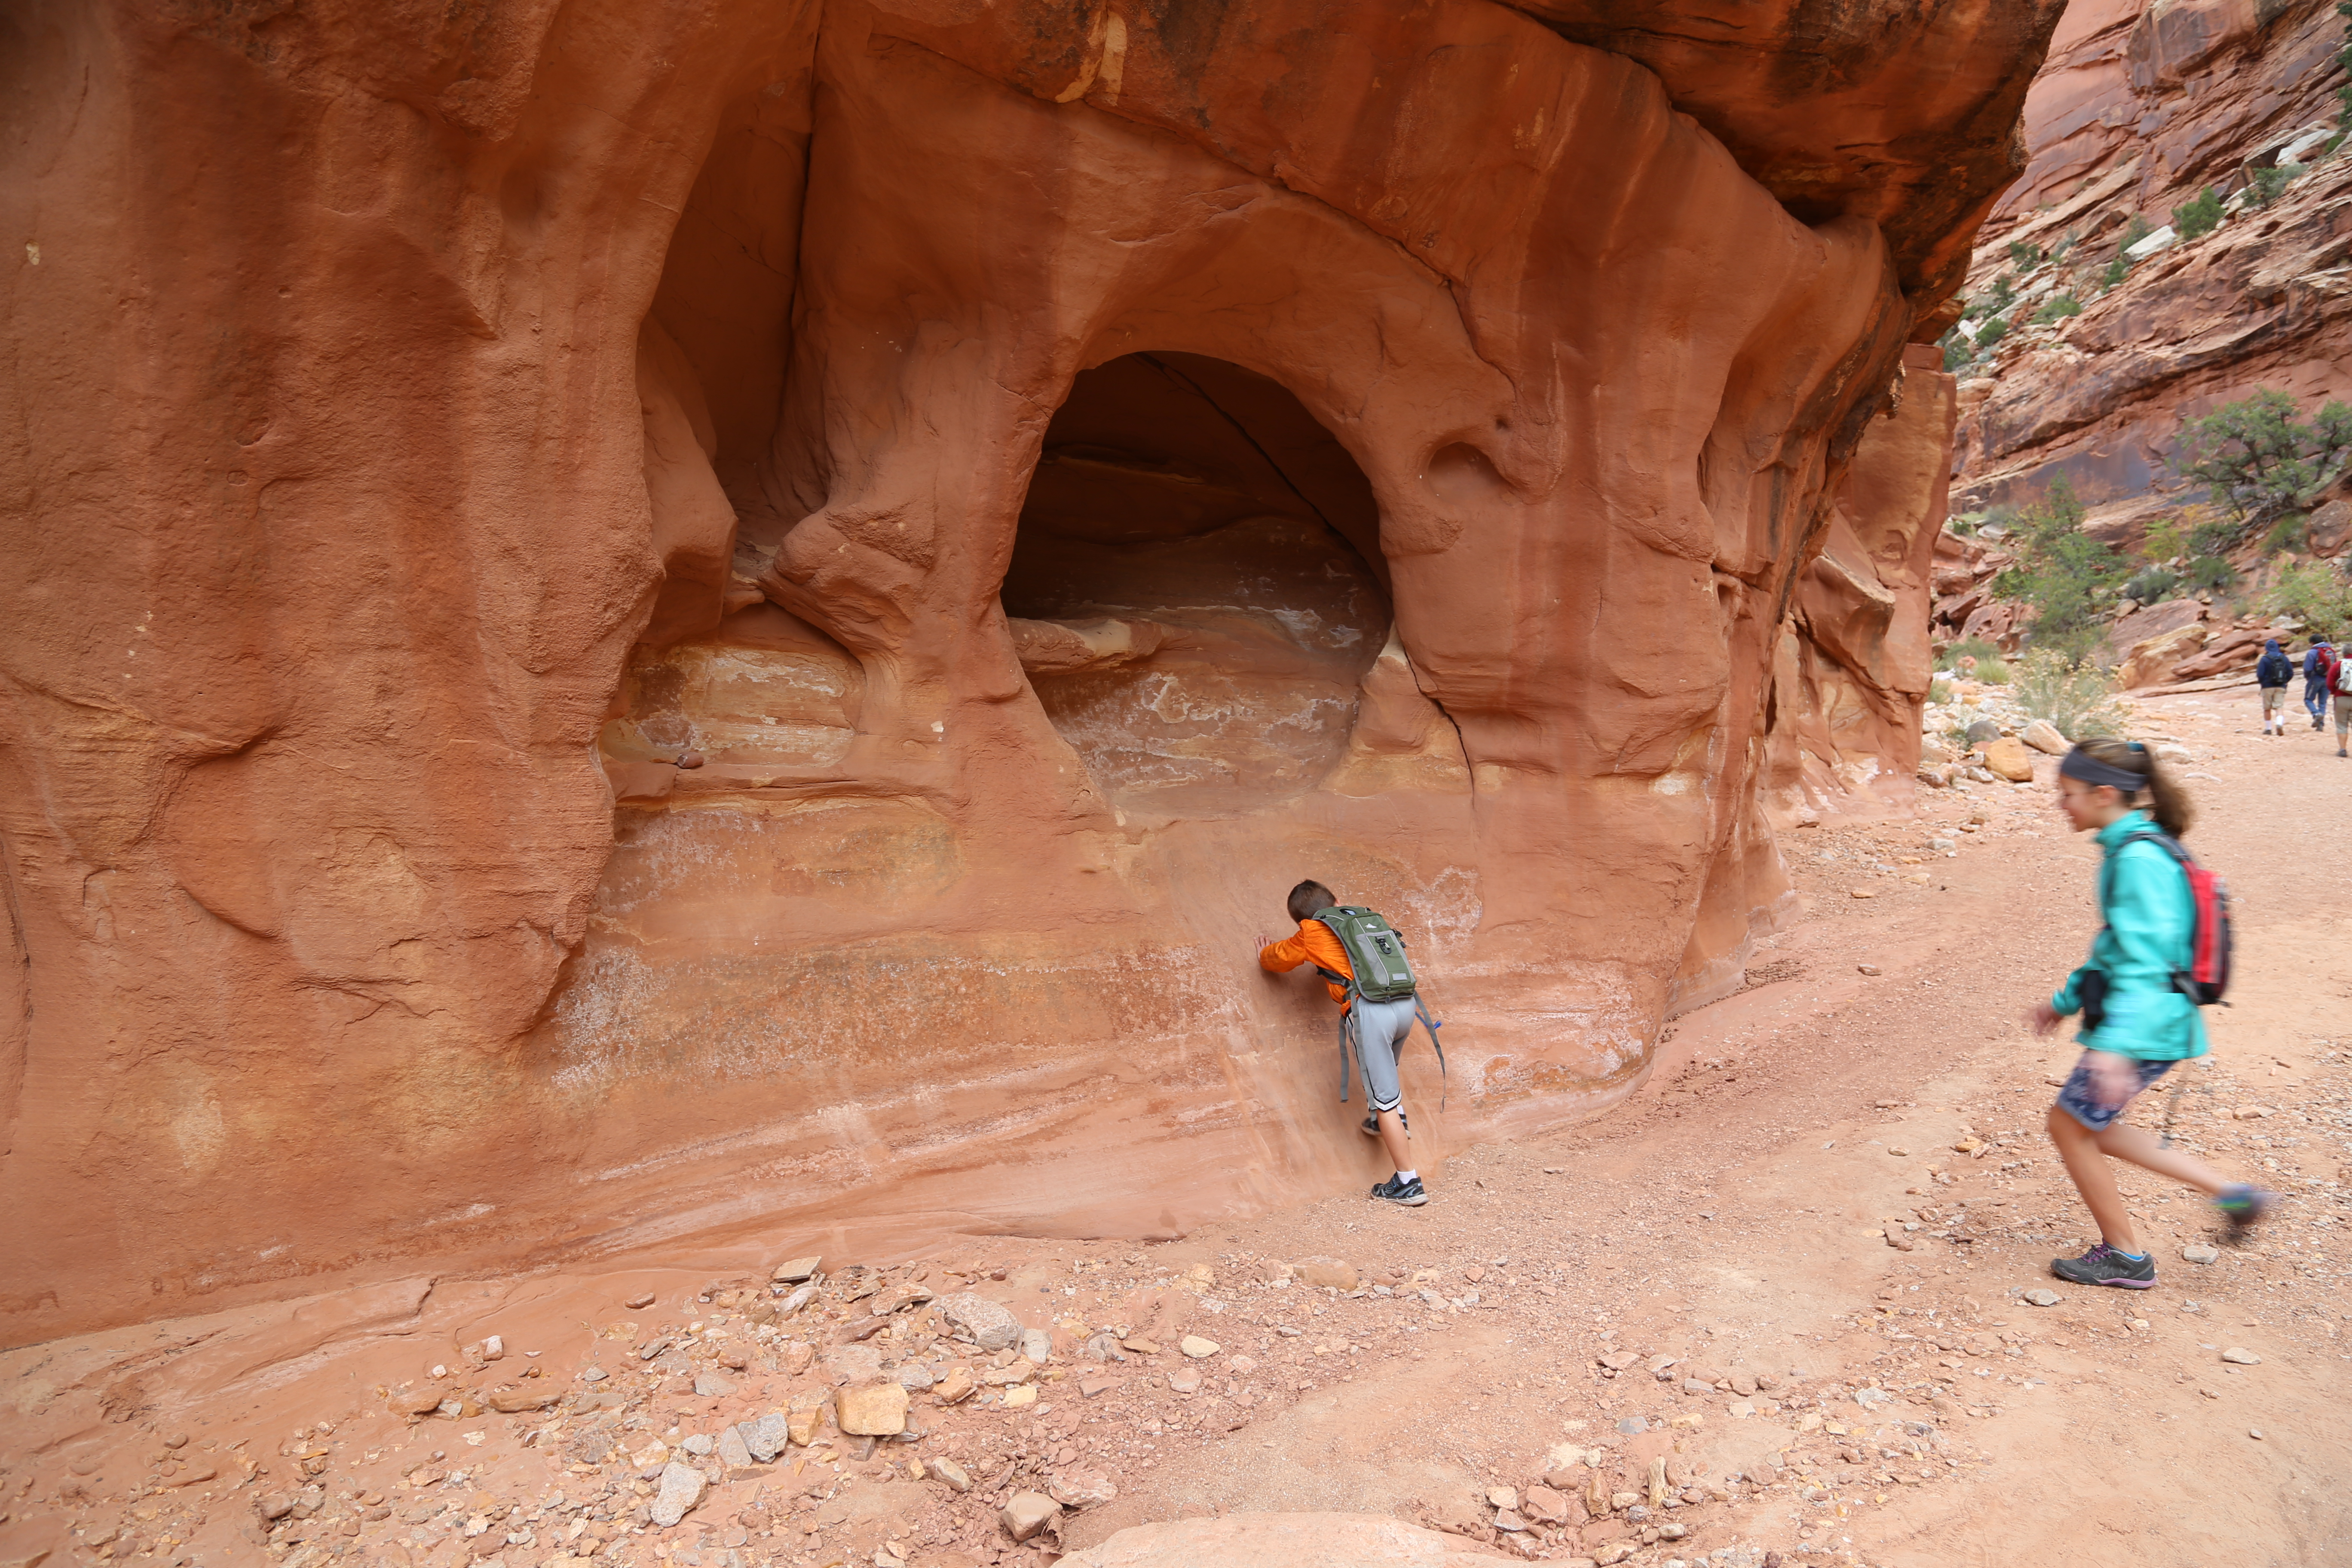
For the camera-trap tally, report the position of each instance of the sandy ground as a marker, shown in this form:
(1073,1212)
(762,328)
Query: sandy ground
(1821,1214)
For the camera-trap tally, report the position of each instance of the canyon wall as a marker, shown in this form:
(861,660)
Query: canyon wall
(652,626)
(2140,107)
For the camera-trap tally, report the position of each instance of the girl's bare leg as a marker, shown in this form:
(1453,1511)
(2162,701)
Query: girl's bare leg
(2086,1162)
(2131,1143)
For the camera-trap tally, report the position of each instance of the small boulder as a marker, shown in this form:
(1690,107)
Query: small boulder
(680,1488)
(1326,1272)
(1196,1347)
(950,1474)
(990,1325)
(2045,736)
(2239,1355)
(764,1438)
(792,1271)
(871,1410)
(1077,1489)
(2201,1254)
(2008,758)
(1027,1513)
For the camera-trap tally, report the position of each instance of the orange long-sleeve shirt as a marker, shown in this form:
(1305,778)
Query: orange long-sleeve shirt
(1313,944)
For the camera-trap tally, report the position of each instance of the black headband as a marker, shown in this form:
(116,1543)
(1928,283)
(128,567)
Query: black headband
(2080,764)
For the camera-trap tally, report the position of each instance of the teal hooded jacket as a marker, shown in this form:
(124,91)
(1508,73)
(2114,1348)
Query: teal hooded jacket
(2150,931)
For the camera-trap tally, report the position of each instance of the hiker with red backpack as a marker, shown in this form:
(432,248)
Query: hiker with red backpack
(2318,674)
(2340,684)
(1362,962)
(2163,952)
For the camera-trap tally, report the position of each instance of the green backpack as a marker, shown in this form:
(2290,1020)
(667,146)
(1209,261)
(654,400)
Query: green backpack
(1383,974)
(1374,950)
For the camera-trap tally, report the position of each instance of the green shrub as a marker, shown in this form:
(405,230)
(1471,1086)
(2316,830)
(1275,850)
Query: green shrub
(2317,593)
(2079,699)
(2059,307)
(2270,183)
(2060,572)
(2138,229)
(2004,289)
(2201,216)
(2163,540)
(1990,668)
(1991,332)
(2153,584)
(2209,573)
(2117,270)
(2285,534)
(2024,256)
(2259,461)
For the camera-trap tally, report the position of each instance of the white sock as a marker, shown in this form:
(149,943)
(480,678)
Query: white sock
(1408,1176)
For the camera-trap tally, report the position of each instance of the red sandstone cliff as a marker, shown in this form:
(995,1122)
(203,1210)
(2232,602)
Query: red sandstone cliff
(1065,474)
(2140,108)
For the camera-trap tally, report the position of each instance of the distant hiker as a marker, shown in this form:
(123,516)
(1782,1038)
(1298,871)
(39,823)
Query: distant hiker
(2318,674)
(1363,966)
(2164,950)
(2339,682)
(2272,672)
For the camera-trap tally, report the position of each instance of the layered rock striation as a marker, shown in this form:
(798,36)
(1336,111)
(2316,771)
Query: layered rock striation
(645,625)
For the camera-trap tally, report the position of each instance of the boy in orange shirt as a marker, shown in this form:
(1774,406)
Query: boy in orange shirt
(1378,1028)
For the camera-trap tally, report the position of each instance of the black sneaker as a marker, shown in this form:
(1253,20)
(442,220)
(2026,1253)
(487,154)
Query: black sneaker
(2244,1207)
(1372,1127)
(2102,1265)
(1409,1194)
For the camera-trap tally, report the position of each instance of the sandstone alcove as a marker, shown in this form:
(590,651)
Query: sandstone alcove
(1195,588)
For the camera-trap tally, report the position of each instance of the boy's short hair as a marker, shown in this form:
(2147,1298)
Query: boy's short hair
(1308,897)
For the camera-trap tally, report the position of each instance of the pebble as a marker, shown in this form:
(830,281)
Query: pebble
(733,1451)
(1184,1380)
(710,1385)
(1502,1497)
(2041,1298)
(1866,968)
(640,1302)
(700,1443)
(593,1374)
(1196,1347)
(952,1475)
(2201,1254)
(1020,1398)
(794,1271)
(1037,1345)
(1632,1425)
(2237,1355)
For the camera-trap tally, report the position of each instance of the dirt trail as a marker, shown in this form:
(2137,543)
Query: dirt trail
(1866,1392)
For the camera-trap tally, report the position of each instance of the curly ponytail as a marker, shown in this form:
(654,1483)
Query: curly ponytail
(2168,802)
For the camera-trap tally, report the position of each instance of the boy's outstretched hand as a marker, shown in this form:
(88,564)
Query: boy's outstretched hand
(1261,942)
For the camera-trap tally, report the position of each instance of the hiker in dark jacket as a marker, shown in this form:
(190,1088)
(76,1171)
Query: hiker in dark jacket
(2272,672)
(2318,670)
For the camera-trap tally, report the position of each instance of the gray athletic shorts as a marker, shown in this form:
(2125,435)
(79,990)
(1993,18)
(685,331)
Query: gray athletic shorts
(1380,1029)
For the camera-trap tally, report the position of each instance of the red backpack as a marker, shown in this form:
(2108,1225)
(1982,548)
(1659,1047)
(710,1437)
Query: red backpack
(2207,974)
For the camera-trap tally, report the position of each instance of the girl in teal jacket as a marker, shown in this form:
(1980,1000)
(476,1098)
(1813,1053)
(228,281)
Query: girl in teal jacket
(2138,1023)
